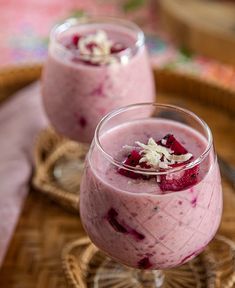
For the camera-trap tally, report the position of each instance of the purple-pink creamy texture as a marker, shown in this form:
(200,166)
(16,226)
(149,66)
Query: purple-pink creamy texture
(149,222)
(90,71)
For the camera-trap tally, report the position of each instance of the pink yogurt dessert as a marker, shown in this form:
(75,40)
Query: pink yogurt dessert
(144,220)
(94,66)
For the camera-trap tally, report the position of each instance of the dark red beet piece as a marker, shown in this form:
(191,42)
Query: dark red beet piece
(173,144)
(187,258)
(132,160)
(188,179)
(144,263)
(90,63)
(195,253)
(111,217)
(117,47)
(136,235)
(82,122)
(90,46)
(194,202)
(75,39)
(122,228)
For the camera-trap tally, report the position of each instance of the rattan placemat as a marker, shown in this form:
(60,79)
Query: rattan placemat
(86,267)
(58,168)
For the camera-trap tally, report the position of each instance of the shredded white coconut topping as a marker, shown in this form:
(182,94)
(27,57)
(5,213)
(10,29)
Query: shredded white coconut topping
(158,156)
(101,48)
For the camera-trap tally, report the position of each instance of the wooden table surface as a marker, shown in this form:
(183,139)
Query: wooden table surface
(204,27)
(33,258)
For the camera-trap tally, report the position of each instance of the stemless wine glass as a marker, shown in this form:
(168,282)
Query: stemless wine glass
(78,91)
(150,219)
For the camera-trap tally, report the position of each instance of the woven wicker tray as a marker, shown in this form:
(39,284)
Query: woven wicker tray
(34,255)
(85,266)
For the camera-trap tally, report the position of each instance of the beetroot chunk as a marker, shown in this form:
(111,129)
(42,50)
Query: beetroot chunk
(90,46)
(174,183)
(136,234)
(111,217)
(121,227)
(117,47)
(132,160)
(173,144)
(82,122)
(144,263)
(179,180)
(75,39)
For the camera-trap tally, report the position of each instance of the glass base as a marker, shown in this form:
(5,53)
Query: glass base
(151,279)
(112,274)
(86,266)
(68,172)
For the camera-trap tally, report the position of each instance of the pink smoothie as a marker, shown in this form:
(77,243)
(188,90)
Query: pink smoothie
(77,95)
(133,220)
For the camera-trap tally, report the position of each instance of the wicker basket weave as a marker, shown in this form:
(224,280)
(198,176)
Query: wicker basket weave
(59,166)
(85,267)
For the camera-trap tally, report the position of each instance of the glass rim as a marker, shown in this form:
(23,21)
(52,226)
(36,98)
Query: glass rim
(73,21)
(149,172)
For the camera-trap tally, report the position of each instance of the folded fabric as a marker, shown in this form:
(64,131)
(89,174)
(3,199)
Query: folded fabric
(21,119)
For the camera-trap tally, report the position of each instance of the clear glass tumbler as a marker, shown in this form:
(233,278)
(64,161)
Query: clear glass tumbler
(78,89)
(145,217)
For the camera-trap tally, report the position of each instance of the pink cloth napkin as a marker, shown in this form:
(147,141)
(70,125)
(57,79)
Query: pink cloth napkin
(21,118)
